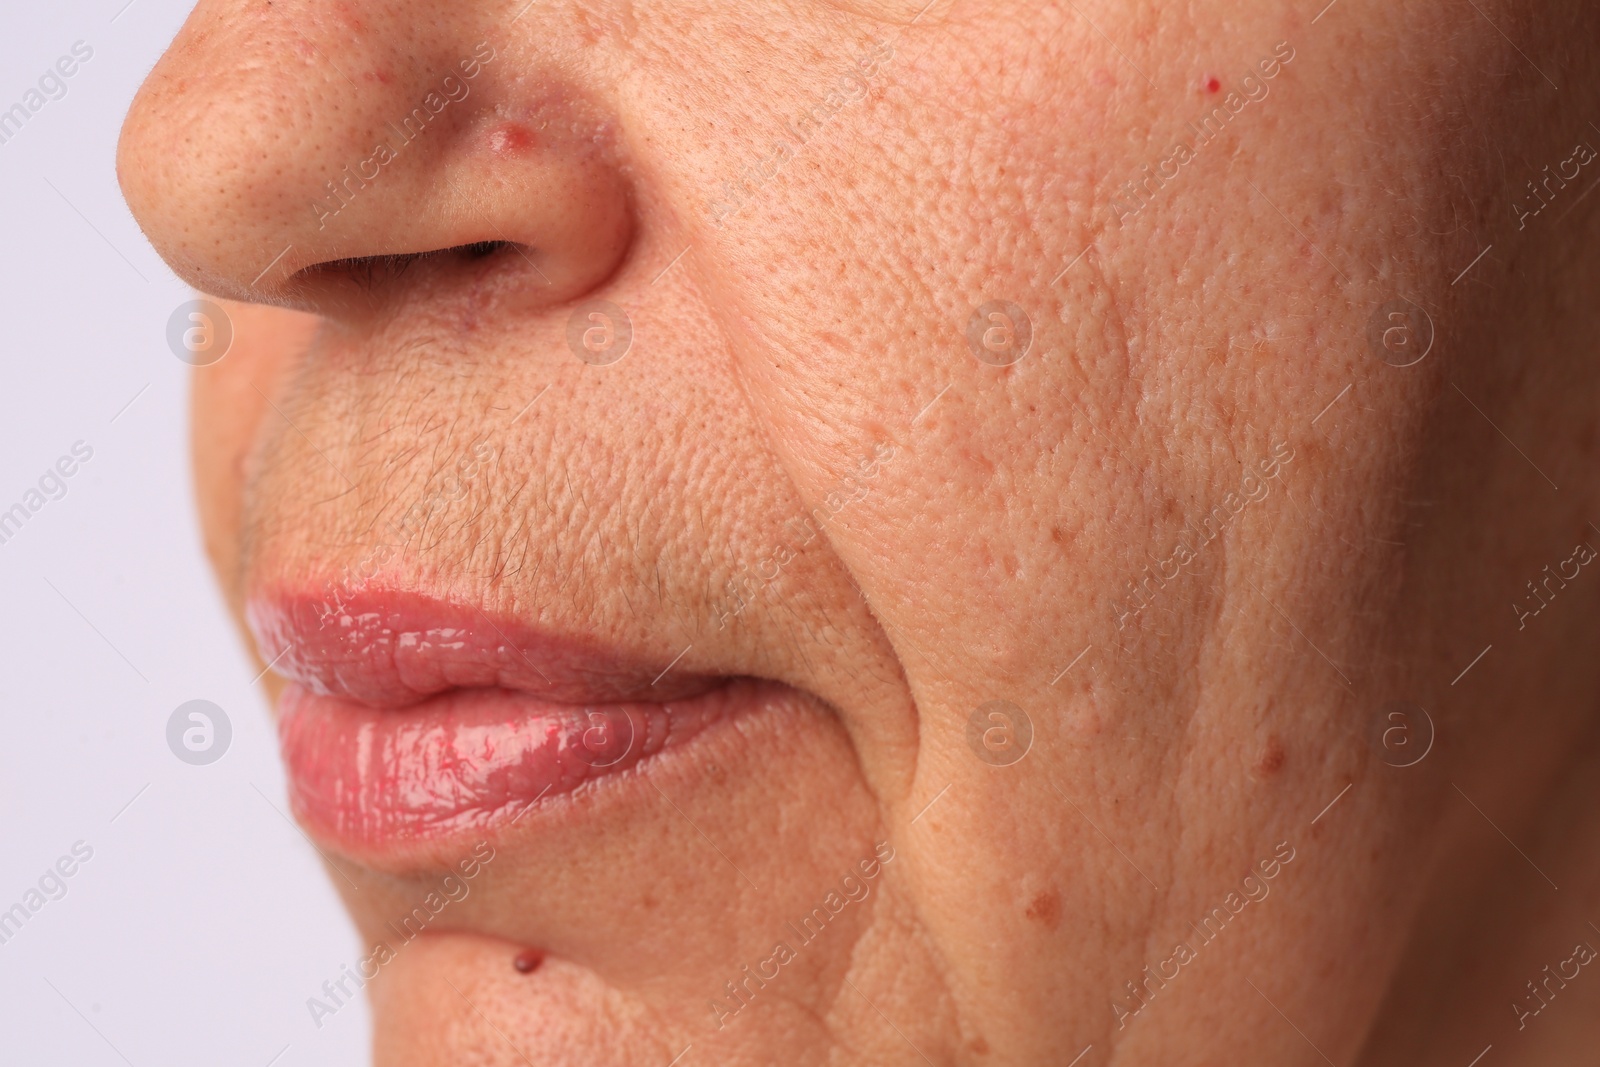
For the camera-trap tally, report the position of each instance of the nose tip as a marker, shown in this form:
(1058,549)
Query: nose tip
(277,160)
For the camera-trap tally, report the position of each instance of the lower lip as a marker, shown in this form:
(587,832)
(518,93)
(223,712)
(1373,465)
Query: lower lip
(467,760)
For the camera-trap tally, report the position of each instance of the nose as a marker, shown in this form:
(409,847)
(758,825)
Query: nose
(304,155)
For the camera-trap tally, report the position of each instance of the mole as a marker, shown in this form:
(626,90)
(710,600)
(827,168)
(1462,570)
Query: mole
(528,960)
(1273,758)
(1045,908)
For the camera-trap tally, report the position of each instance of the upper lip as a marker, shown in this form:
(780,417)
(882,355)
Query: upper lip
(393,648)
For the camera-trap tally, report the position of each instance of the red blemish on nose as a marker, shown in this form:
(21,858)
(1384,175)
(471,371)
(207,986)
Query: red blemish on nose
(1213,84)
(510,139)
(528,961)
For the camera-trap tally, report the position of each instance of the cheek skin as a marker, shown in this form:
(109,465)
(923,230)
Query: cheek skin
(990,549)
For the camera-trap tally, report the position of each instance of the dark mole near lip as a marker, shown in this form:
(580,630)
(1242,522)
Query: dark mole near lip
(528,960)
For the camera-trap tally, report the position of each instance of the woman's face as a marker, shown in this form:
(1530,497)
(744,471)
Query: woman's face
(833,533)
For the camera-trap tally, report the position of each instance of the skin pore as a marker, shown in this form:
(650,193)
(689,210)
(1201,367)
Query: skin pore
(1204,533)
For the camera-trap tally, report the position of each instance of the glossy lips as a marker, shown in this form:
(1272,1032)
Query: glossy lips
(408,718)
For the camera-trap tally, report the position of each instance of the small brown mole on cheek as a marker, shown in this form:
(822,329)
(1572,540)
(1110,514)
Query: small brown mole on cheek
(1273,758)
(528,960)
(510,139)
(1045,909)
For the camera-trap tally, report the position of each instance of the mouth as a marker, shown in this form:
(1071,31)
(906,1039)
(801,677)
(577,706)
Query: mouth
(410,721)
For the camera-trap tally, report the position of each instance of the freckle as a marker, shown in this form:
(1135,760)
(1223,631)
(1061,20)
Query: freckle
(1213,84)
(1045,908)
(528,961)
(1272,759)
(510,139)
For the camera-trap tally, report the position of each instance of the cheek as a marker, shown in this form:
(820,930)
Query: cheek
(228,402)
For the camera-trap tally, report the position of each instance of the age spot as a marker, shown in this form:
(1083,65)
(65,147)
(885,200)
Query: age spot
(1045,909)
(1273,758)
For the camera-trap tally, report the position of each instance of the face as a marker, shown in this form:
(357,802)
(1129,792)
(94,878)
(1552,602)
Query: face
(824,533)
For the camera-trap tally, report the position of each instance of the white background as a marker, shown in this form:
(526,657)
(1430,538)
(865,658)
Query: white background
(204,920)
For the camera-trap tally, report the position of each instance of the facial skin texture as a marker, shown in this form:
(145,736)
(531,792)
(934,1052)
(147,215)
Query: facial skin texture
(792,312)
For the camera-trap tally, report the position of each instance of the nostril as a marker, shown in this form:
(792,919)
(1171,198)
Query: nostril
(492,184)
(373,272)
